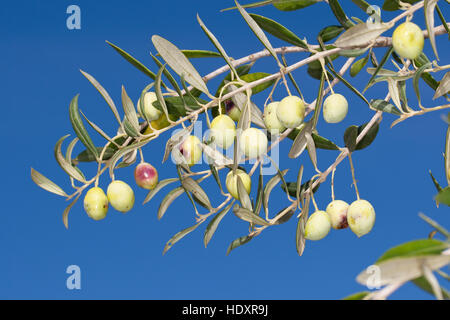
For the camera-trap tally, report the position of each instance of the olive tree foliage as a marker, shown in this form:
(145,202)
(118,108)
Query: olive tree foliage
(183,97)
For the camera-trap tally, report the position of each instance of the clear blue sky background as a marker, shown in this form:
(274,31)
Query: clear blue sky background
(120,257)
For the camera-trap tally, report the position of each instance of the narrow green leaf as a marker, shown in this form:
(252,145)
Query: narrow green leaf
(133,61)
(369,137)
(251,77)
(197,192)
(340,14)
(269,187)
(301,224)
(428,8)
(179,63)
(251,5)
(350,136)
(278,30)
(443,196)
(46,183)
(66,212)
(291,5)
(122,152)
(214,223)
(357,66)
(179,235)
(435,182)
(244,198)
(417,76)
(78,127)
(217,44)
(104,94)
(414,248)
(384,106)
(447,154)
(249,216)
(238,242)
(173,82)
(299,144)
(357,296)
(168,199)
(64,164)
(380,66)
(191,54)
(330,32)
(161,184)
(444,86)
(257,31)
(393,5)
(259,193)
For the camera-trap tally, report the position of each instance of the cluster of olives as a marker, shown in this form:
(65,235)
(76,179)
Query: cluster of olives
(119,194)
(359,216)
(290,112)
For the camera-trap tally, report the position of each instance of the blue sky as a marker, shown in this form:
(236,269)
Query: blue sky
(120,257)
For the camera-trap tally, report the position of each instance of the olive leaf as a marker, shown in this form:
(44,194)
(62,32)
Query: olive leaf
(217,44)
(257,31)
(404,268)
(200,54)
(323,143)
(350,135)
(168,199)
(122,152)
(180,111)
(179,63)
(179,235)
(379,66)
(249,216)
(392,5)
(269,187)
(340,14)
(435,182)
(369,137)
(158,91)
(96,128)
(447,155)
(301,224)
(361,34)
(300,141)
(384,106)
(238,242)
(299,184)
(291,5)
(278,30)
(244,198)
(417,76)
(161,184)
(78,127)
(241,70)
(46,184)
(428,8)
(250,77)
(216,158)
(104,94)
(444,86)
(284,216)
(66,212)
(357,66)
(199,194)
(214,223)
(136,63)
(330,32)
(64,164)
(443,196)
(311,149)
